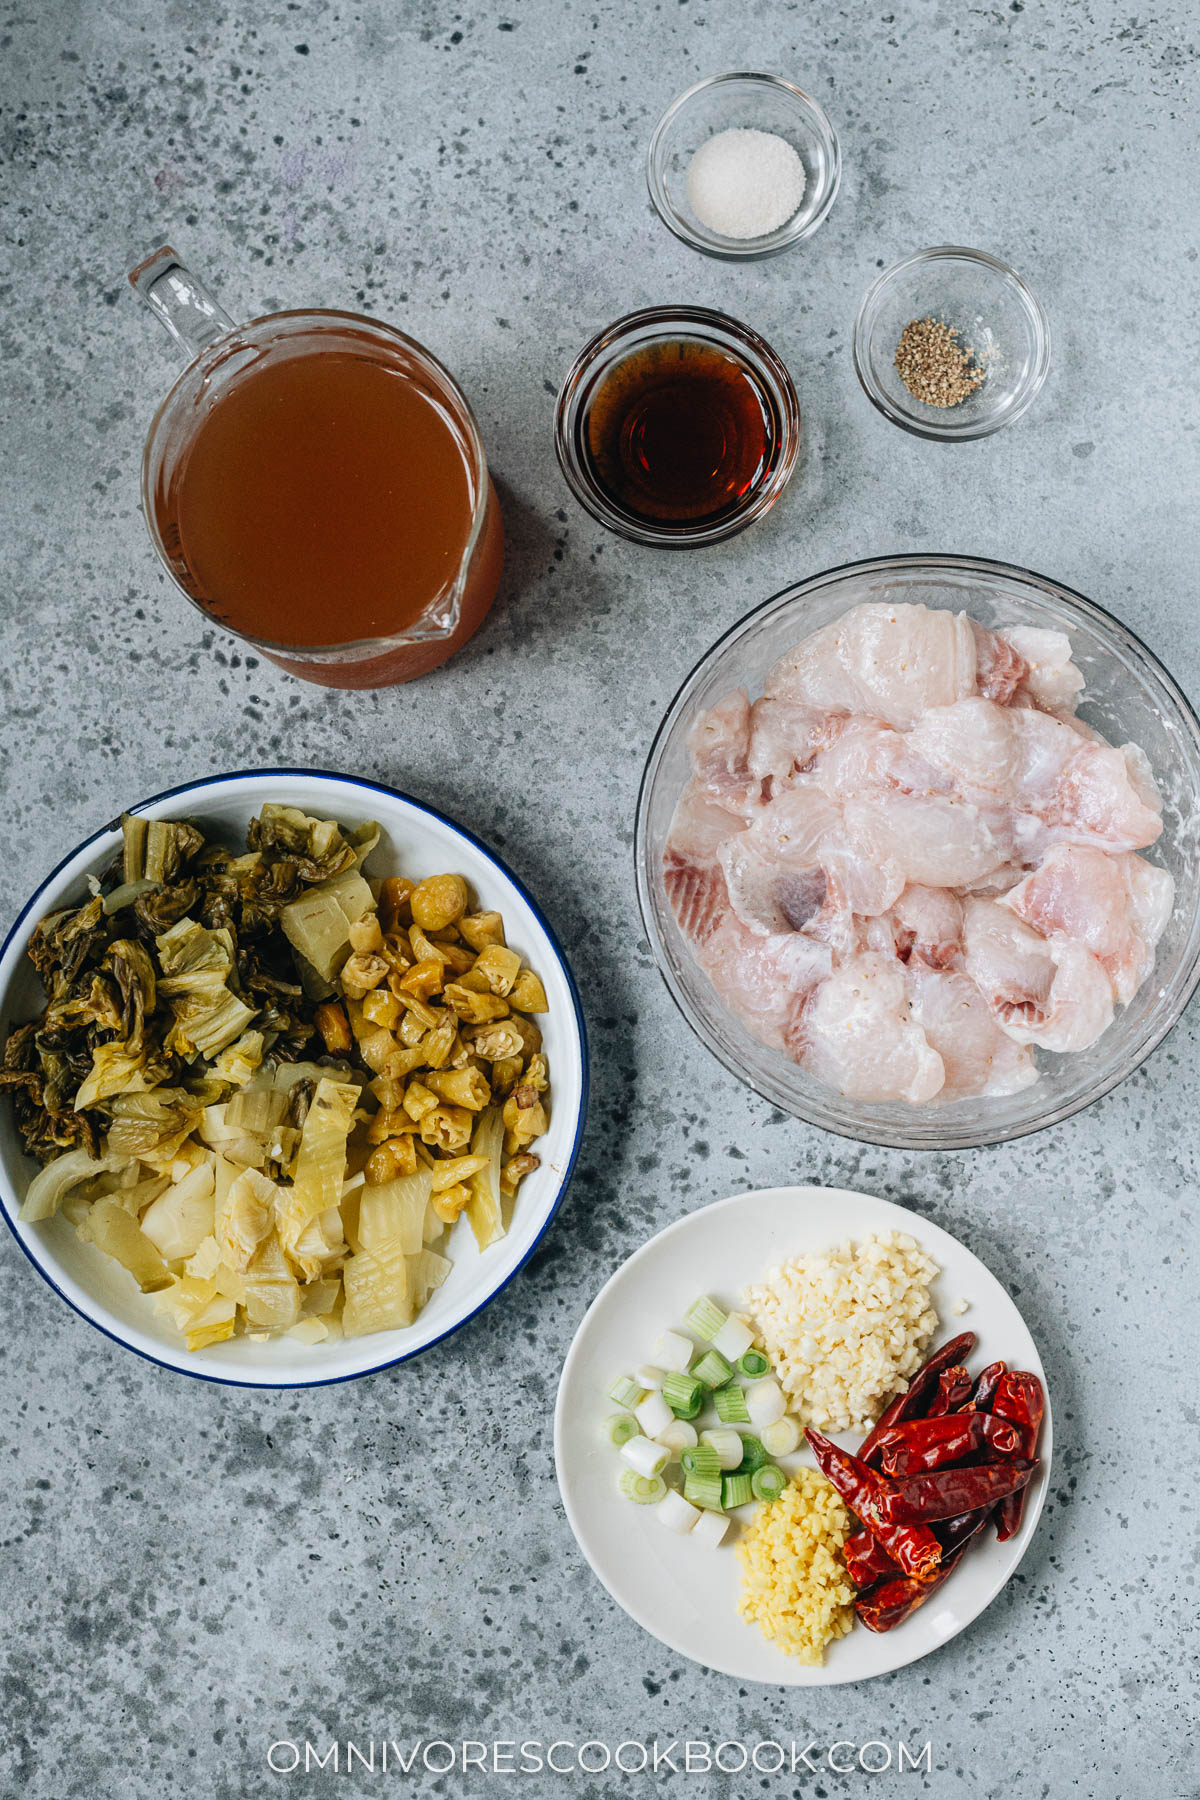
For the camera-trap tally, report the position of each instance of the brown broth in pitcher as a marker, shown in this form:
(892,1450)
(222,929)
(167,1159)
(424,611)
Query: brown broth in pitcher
(324,499)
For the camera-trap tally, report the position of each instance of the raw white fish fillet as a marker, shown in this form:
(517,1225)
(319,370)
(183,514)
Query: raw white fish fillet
(1052,680)
(783,737)
(978,1057)
(934,840)
(909,865)
(1116,906)
(999,666)
(927,927)
(764,979)
(890,661)
(720,747)
(767,895)
(858,1036)
(1059,786)
(691,870)
(793,824)
(1050,992)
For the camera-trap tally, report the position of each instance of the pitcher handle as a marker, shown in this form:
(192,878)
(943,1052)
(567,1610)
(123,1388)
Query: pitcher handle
(180,303)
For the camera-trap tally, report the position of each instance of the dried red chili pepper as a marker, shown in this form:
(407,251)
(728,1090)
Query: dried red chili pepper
(893,1601)
(911,1404)
(940,1493)
(912,1546)
(950,1533)
(868,1562)
(1020,1400)
(953,1391)
(922,1444)
(866,1559)
(985,1387)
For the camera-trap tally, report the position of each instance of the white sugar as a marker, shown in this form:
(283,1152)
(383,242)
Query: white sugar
(745,184)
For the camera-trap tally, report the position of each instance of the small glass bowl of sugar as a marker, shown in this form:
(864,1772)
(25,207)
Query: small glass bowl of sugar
(743,165)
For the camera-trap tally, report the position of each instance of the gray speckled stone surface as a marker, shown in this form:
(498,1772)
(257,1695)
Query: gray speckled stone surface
(190,1573)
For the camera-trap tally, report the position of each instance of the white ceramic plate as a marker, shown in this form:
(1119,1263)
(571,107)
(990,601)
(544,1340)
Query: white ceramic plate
(687,1596)
(417,841)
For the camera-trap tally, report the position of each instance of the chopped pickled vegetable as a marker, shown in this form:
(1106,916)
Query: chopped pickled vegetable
(166,1085)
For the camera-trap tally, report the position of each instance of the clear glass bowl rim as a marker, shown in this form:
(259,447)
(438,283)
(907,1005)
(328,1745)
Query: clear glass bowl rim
(673,320)
(1183,987)
(729,249)
(951,433)
(356,649)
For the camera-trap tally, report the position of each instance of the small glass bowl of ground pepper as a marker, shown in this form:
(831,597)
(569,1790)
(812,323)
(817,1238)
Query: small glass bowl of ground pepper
(951,344)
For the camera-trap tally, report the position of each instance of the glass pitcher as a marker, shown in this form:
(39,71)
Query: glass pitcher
(332,597)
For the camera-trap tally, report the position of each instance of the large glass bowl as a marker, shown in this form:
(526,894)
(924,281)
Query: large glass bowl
(1129,697)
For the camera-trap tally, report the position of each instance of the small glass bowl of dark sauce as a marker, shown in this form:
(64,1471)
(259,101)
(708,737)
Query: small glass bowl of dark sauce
(677,426)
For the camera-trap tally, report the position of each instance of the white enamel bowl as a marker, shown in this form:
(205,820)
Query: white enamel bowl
(680,1592)
(417,841)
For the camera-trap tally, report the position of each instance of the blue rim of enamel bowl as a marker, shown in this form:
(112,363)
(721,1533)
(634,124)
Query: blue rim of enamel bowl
(422,806)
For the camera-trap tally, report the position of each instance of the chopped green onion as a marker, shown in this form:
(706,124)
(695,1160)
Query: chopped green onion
(736,1490)
(645,1457)
(675,1513)
(730,1403)
(646,1490)
(768,1482)
(674,1351)
(765,1402)
(710,1528)
(653,1414)
(702,1460)
(619,1428)
(727,1443)
(649,1375)
(679,1435)
(734,1337)
(626,1392)
(753,1456)
(753,1364)
(703,1491)
(712,1369)
(683,1394)
(782,1437)
(705,1318)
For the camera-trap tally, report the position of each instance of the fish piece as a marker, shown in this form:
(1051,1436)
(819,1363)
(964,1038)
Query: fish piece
(860,881)
(1062,786)
(1051,680)
(692,873)
(971,745)
(720,744)
(1009,962)
(1079,791)
(1000,667)
(767,895)
(764,979)
(934,840)
(794,823)
(1049,992)
(978,1057)
(1115,905)
(865,756)
(889,661)
(783,736)
(927,925)
(857,1034)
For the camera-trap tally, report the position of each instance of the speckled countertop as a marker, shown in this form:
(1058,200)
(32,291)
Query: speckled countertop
(190,1574)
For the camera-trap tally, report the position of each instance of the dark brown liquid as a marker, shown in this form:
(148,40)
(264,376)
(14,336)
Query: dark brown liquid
(680,432)
(326,498)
